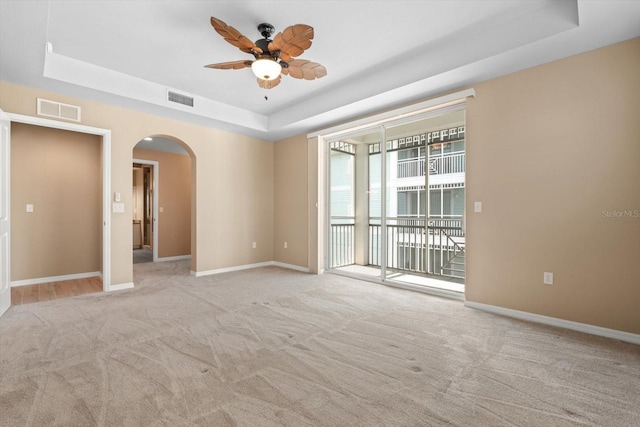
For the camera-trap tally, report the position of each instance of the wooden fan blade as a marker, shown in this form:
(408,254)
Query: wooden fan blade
(303,69)
(268,84)
(285,56)
(234,37)
(231,65)
(293,40)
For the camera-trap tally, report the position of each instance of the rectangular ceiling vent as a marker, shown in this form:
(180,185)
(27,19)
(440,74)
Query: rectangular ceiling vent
(180,98)
(58,110)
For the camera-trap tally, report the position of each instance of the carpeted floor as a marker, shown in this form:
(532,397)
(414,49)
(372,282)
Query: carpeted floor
(272,347)
(142,255)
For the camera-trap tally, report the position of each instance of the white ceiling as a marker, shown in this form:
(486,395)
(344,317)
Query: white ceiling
(379,54)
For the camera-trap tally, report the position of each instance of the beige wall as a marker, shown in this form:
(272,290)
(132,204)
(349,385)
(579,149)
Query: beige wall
(58,172)
(233,203)
(291,199)
(549,151)
(174,222)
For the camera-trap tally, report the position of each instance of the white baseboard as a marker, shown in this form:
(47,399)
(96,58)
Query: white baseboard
(120,287)
(554,321)
(174,258)
(40,280)
(249,266)
(290,266)
(230,269)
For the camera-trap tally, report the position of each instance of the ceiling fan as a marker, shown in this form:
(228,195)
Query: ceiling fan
(272,57)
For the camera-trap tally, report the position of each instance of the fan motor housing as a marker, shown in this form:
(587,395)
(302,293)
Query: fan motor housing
(263,44)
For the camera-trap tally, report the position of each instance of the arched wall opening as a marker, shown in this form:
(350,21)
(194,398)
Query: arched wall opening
(164,200)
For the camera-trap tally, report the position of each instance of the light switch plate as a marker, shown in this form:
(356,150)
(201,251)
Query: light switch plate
(477,206)
(29,208)
(118,208)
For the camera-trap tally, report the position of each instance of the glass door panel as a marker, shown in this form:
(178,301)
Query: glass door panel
(406,201)
(342,227)
(374,219)
(425,236)
(354,189)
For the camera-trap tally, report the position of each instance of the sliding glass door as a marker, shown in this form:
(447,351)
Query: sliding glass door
(405,184)
(354,198)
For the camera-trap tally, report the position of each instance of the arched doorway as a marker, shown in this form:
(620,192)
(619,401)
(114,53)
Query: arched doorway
(163,214)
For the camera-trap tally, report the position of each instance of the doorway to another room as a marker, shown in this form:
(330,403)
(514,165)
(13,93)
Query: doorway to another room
(144,211)
(162,173)
(85,232)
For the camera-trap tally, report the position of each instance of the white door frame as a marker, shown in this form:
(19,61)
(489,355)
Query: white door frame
(156,197)
(5,213)
(106,180)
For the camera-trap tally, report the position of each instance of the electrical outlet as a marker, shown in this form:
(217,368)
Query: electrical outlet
(548,278)
(285,245)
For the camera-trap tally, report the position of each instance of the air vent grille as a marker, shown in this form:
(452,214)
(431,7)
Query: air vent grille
(180,98)
(58,110)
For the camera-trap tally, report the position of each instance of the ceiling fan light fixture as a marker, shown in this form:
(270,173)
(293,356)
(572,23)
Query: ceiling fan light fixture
(266,68)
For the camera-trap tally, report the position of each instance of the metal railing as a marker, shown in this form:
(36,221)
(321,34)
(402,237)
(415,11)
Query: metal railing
(447,248)
(408,243)
(438,165)
(342,241)
(410,168)
(449,163)
(437,248)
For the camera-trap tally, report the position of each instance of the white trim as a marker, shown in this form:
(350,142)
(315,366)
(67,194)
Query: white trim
(554,321)
(121,286)
(398,113)
(39,280)
(291,266)
(229,269)
(173,258)
(5,177)
(106,179)
(249,266)
(156,202)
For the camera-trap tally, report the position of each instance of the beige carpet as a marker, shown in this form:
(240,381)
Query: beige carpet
(272,347)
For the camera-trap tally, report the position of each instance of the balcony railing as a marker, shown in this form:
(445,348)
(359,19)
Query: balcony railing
(410,168)
(437,249)
(342,241)
(438,165)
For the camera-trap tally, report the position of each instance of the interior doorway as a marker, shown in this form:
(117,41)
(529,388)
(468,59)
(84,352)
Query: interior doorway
(105,136)
(145,211)
(163,172)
